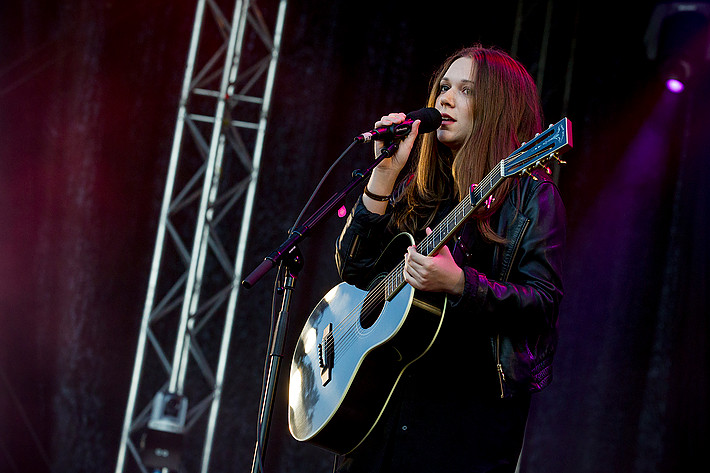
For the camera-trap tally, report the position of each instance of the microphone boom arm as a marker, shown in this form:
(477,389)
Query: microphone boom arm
(288,247)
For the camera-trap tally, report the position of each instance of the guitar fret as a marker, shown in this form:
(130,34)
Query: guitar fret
(477,195)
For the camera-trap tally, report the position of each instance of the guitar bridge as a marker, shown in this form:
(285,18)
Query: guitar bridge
(326,353)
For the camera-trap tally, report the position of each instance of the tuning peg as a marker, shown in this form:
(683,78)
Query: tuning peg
(556,156)
(531,175)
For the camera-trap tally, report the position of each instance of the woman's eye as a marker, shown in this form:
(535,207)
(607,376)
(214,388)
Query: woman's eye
(443,88)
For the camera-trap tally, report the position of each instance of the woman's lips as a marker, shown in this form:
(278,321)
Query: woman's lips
(446,119)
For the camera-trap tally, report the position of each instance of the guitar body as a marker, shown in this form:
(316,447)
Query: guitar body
(350,355)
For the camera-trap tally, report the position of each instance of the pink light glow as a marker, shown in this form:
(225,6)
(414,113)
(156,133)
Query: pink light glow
(342,212)
(675,86)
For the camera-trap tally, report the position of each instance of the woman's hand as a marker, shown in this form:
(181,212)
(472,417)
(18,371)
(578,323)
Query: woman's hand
(437,273)
(398,161)
(384,176)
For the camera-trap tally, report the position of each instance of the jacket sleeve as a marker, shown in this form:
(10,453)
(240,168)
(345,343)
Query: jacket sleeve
(360,245)
(525,294)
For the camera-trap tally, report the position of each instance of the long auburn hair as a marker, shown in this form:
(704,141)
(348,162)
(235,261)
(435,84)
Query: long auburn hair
(506,112)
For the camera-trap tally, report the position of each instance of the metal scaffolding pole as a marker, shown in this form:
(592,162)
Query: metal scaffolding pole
(193,285)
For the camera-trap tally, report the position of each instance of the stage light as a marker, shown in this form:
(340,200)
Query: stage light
(678,40)
(162,442)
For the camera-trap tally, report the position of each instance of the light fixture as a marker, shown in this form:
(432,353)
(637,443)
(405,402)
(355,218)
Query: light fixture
(678,39)
(162,441)
(676,75)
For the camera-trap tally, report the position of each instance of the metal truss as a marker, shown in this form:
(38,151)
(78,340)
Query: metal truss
(197,262)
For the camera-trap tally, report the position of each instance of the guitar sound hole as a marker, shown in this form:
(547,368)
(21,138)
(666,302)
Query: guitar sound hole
(371,308)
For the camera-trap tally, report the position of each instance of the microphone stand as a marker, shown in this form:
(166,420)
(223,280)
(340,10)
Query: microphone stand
(288,256)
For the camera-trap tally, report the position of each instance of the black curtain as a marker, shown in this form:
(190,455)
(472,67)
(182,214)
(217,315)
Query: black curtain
(88,101)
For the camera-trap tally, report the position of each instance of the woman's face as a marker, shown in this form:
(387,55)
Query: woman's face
(454,102)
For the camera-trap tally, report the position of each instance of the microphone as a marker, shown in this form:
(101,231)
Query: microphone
(430,117)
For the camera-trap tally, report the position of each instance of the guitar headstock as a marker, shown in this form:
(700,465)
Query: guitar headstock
(545,146)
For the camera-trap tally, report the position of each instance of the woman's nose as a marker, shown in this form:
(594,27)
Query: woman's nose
(446,99)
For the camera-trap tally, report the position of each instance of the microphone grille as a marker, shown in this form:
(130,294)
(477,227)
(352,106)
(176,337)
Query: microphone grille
(430,117)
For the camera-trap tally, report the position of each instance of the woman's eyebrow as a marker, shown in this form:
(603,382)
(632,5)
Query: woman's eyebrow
(463,81)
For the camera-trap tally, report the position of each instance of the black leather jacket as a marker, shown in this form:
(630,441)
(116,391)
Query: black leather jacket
(512,291)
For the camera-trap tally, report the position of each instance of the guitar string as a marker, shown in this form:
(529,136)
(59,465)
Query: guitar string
(393,280)
(428,244)
(375,296)
(375,300)
(351,330)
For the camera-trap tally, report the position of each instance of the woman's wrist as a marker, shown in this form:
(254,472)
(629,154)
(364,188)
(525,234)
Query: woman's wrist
(460,284)
(376,195)
(382,182)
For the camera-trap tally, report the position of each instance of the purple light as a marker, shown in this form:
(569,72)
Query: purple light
(342,212)
(675,86)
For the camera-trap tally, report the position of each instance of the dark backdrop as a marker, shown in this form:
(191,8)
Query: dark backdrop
(88,97)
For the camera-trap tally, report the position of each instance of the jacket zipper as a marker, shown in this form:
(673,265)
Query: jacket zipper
(501,374)
(499,365)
